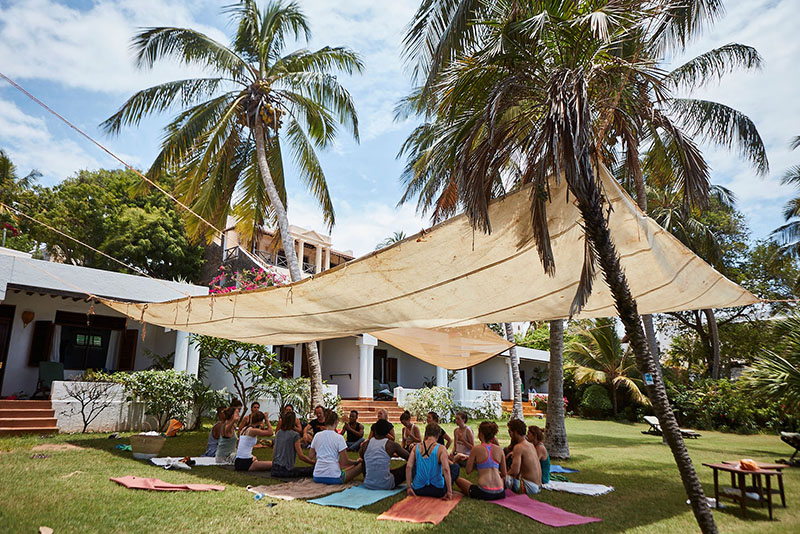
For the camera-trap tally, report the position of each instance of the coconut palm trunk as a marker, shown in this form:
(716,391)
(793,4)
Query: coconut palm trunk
(713,332)
(296,274)
(555,432)
(516,387)
(590,204)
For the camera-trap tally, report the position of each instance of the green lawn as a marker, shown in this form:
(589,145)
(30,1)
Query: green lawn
(70,492)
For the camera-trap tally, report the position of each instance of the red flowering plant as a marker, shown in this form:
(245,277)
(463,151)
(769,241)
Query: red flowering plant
(539,402)
(245,280)
(10,228)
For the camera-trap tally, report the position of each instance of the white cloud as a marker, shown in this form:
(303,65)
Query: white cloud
(46,40)
(31,145)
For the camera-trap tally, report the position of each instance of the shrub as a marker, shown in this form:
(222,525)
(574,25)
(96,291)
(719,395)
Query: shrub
(539,402)
(433,399)
(595,402)
(166,394)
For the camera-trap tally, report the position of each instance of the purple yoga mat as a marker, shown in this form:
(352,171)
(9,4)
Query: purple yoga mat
(542,512)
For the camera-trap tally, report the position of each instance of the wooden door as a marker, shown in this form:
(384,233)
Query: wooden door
(378,364)
(6,323)
(126,356)
(390,370)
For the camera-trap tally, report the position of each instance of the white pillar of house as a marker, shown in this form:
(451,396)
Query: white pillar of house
(301,247)
(297,365)
(460,387)
(510,379)
(441,377)
(327,262)
(193,359)
(366,351)
(318,259)
(181,350)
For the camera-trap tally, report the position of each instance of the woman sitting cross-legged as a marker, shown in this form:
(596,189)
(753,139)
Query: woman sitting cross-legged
(491,465)
(429,472)
(226,445)
(287,448)
(245,461)
(329,450)
(377,456)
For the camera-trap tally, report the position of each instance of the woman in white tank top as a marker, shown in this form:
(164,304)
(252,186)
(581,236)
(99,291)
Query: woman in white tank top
(245,461)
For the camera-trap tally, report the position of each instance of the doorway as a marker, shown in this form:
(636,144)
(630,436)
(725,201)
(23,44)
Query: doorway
(384,369)
(6,323)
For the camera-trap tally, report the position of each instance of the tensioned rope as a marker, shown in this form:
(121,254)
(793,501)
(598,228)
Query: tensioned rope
(109,152)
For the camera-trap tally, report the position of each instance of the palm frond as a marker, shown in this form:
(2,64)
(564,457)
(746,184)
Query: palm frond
(311,173)
(713,65)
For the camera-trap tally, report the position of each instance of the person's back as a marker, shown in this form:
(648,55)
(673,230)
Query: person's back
(489,460)
(286,448)
(377,455)
(226,446)
(536,437)
(328,447)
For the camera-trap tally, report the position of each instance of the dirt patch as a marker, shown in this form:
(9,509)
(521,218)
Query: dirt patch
(57,447)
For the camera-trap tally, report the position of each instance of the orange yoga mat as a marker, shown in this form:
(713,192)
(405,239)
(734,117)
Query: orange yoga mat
(155,484)
(421,509)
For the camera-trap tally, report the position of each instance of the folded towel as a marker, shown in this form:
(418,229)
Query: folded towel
(155,484)
(542,512)
(199,461)
(356,497)
(421,509)
(578,489)
(302,489)
(555,468)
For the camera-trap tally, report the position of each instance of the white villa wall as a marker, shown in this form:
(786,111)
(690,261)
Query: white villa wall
(120,415)
(21,378)
(411,371)
(490,372)
(339,357)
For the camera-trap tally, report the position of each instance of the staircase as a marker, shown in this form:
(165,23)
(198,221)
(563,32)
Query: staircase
(368,410)
(527,409)
(27,417)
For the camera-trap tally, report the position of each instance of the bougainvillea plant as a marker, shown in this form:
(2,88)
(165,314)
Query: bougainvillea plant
(245,280)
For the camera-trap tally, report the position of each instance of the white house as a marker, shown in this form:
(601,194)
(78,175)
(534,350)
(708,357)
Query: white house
(45,316)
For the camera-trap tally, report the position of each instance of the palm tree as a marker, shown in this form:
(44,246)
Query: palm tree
(227,145)
(598,357)
(788,235)
(555,430)
(525,89)
(775,376)
(396,237)
(516,387)
(12,185)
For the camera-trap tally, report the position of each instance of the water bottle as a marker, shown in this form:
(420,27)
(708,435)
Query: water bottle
(258,496)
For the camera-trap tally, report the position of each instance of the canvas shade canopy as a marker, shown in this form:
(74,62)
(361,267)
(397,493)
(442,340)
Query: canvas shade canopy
(453,276)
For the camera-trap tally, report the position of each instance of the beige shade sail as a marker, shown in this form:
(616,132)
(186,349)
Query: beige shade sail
(452,276)
(451,348)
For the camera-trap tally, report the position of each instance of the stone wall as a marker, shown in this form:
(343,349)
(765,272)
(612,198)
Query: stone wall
(120,415)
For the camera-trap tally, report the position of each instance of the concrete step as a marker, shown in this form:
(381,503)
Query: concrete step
(35,422)
(16,414)
(17,431)
(25,405)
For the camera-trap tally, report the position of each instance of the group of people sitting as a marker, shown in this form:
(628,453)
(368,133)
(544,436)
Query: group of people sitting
(431,469)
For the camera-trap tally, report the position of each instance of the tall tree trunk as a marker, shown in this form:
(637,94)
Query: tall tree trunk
(614,400)
(555,432)
(516,387)
(590,204)
(713,332)
(314,367)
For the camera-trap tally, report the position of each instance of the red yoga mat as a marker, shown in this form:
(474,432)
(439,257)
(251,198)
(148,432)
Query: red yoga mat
(155,484)
(421,509)
(544,513)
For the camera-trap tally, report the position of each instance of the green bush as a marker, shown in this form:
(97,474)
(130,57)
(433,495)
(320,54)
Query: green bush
(166,394)
(595,402)
(727,406)
(434,399)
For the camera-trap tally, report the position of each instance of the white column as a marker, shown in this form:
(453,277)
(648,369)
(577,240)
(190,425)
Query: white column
(441,376)
(297,365)
(301,247)
(366,351)
(510,380)
(318,260)
(193,359)
(181,350)
(460,387)
(327,262)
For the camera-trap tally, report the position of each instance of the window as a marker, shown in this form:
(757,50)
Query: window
(82,340)
(82,347)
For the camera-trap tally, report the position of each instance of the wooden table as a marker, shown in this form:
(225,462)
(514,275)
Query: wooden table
(769,467)
(738,474)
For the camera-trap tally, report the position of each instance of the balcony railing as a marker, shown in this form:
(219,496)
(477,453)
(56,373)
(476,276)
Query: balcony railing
(309,268)
(276,260)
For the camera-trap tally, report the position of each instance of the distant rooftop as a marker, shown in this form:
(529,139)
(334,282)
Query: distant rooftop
(19,271)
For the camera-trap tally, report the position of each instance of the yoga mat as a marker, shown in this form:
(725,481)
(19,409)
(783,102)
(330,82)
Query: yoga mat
(544,513)
(577,488)
(155,484)
(421,509)
(302,489)
(356,497)
(555,468)
(200,461)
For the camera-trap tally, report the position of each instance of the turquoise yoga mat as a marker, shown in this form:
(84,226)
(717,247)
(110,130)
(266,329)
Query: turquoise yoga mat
(555,468)
(356,497)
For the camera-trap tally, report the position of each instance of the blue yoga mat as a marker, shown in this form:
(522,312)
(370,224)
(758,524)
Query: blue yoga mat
(555,468)
(356,497)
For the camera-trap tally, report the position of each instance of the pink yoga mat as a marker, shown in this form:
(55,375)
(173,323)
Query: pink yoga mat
(155,484)
(421,509)
(542,512)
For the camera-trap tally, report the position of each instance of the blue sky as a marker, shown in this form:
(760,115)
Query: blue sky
(74,55)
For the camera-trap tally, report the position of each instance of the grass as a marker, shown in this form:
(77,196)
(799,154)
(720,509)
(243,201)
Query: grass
(69,490)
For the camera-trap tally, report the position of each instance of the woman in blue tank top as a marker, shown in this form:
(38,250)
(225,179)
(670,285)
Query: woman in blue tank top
(429,472)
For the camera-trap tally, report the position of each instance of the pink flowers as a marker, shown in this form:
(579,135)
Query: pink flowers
(246,280)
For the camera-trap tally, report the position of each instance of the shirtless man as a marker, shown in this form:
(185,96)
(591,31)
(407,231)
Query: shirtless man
(525,467)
